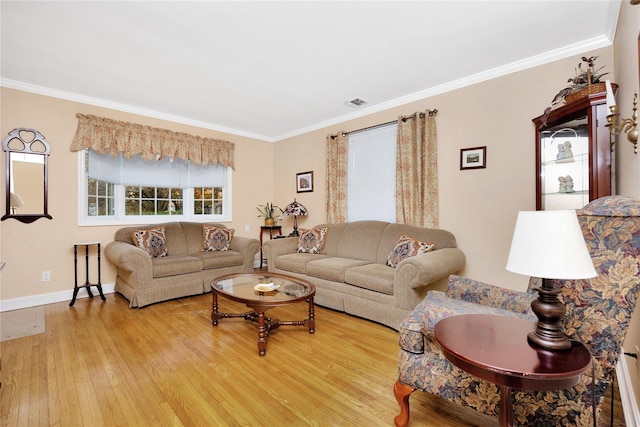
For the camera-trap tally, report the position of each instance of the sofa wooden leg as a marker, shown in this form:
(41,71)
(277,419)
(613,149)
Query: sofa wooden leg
(402,393)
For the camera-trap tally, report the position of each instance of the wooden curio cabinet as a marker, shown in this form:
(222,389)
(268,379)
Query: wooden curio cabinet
(573,154)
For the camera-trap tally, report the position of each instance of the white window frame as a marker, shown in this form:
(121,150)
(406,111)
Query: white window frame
(121,219)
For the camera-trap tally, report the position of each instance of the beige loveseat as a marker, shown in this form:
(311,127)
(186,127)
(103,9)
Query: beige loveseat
(352,274)
(185,270)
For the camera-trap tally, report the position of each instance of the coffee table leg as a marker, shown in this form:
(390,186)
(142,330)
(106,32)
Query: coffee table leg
(214,309)
(312,320)
(262,335)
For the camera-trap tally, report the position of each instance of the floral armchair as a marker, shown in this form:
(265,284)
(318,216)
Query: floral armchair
(598,315)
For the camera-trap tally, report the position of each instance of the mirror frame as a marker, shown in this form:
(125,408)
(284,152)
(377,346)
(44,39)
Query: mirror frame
(38,137)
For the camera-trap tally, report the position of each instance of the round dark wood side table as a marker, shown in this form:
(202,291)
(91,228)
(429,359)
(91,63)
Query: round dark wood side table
(495,348)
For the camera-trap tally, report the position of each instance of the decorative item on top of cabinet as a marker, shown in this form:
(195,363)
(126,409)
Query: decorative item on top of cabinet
(573,154)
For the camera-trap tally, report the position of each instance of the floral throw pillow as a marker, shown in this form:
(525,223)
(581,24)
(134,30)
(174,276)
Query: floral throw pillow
(152,240)
(405,248)
(312,241)
(216,238)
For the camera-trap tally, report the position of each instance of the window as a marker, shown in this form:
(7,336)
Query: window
(100,198)
(117,190)
(139,200)
(371,174)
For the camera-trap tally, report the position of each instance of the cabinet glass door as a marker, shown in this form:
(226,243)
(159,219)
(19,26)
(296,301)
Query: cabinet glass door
(564,165)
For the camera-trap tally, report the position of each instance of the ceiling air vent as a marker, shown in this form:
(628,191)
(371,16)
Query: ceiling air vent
(356,102)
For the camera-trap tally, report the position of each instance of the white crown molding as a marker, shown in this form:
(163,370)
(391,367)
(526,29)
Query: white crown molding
(547,57)
(70,96)
(534,61)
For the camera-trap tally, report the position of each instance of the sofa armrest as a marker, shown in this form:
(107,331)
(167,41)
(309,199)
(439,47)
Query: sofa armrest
(248,247)
(276,247)
(127,257)
(130,260)
(465,289)
(414,275)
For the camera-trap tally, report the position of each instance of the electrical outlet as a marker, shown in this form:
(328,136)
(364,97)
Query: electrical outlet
(46,276)
(247,227)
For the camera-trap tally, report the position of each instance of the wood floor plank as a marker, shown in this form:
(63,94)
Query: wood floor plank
(103,364)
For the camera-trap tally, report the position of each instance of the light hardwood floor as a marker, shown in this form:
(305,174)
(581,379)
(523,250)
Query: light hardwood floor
(103,364)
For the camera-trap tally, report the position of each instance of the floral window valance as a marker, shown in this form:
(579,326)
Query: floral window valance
(112,136)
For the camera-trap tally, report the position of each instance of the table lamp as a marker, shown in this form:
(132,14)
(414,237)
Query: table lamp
(549,245)
(15,201)
(295,209)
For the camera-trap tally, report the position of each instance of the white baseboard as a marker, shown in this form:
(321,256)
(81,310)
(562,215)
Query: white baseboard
(50,298)
(627,396)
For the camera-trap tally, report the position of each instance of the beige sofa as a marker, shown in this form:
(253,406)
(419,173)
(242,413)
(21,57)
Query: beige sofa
(185,270)
(352,276)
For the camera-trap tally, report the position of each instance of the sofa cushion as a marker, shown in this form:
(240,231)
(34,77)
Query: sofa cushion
(406,248)
(174,265)
(312,241)
(332,268)
(152,240)
(360,240)
(216,239)
(375,277)
(217,259)
(296,263)
(441,238)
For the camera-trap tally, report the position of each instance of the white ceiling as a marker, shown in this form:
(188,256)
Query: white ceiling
(271,70)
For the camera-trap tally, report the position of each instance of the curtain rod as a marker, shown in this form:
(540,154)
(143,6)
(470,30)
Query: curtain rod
(403,118)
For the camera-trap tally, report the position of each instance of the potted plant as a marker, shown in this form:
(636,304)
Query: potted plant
(585,82)
(268,212)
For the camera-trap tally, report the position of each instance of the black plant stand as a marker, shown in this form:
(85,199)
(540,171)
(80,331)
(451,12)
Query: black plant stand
(87,284)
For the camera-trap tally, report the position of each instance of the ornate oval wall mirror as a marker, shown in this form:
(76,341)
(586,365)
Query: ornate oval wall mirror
(27,175)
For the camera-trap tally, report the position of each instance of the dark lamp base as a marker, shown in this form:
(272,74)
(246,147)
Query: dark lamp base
(295,233)
(550,311)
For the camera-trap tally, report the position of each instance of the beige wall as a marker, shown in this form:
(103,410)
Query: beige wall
(46,245)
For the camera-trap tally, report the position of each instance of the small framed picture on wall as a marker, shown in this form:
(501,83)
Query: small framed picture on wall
(473,158)
(304,182)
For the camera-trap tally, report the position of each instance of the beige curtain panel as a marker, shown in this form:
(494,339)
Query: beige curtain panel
(112,136)
(336,198)
(417,170)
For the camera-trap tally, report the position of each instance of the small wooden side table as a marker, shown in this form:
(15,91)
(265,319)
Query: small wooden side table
(270,229)
(495,348)
(87,284)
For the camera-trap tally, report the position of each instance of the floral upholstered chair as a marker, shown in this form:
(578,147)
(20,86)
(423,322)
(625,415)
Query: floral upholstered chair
(598,315)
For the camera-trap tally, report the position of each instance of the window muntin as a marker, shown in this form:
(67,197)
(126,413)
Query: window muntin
(144,200)
(100,198)
(207,200)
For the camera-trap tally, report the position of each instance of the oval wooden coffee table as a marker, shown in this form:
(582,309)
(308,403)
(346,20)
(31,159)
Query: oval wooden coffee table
(260,292)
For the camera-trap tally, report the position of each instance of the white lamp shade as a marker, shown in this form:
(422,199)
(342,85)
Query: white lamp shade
(15,201)
(550,245)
